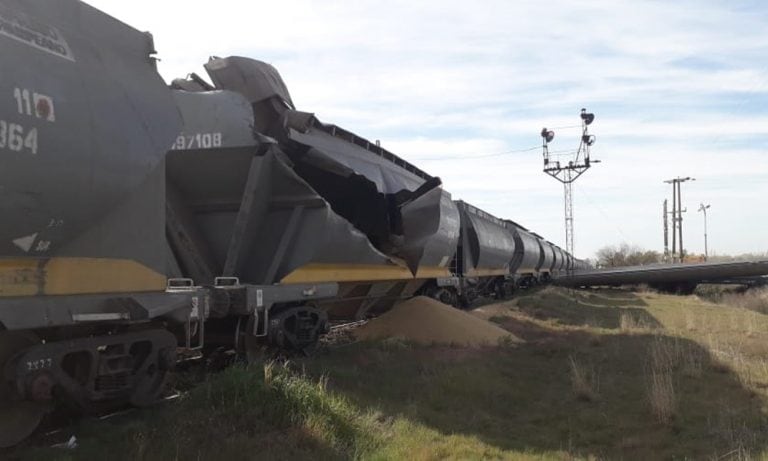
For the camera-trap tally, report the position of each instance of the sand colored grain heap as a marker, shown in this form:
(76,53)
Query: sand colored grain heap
(427,321)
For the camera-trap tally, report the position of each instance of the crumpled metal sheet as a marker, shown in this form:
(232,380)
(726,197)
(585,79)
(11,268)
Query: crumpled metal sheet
(279,225)
(321,236)
(317,149)
(432,226)
(256,80)
(388,177)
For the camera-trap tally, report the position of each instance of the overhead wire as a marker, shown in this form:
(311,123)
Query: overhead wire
(467,156)
(470,156)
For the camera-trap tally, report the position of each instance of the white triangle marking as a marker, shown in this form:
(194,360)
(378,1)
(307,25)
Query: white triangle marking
(25,243)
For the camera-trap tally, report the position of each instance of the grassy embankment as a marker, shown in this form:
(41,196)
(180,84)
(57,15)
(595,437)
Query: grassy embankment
(604,375)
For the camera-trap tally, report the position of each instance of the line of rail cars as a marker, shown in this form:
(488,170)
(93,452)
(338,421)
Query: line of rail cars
(120,257)
(677,278)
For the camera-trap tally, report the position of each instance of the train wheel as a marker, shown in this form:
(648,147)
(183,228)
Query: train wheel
(150,387)
(18,418)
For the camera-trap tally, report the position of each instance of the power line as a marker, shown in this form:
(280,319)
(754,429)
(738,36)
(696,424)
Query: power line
(605,215)
(469,156)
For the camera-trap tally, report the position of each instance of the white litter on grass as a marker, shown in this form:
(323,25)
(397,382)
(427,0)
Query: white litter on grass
(71,444)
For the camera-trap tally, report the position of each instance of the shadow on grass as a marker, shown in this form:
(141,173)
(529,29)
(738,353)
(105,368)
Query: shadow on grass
(523,399)
(604,309)
(242,413)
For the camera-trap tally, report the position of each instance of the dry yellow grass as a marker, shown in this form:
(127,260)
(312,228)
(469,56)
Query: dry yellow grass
(663,358)
(584,380)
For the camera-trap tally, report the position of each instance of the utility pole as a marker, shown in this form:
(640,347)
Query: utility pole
(568,172)
(704,209)
(677,215)
(666,232)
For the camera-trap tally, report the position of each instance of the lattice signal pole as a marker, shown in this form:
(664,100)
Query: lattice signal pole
(569,171)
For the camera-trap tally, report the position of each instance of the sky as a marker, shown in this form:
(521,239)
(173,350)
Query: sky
(463,89)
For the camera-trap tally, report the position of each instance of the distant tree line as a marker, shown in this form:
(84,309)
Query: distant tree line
(626,255)
(741,257)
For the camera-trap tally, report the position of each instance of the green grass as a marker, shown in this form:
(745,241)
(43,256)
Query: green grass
(269,412)
(604,374)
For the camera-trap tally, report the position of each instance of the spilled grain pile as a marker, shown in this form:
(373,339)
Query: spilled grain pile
(427,321)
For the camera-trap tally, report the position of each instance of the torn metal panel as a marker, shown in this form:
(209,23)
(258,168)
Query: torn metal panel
(388,176)
(363,183)
(256,80)
(318,235)
(259,219)
(431,226)
(366,185)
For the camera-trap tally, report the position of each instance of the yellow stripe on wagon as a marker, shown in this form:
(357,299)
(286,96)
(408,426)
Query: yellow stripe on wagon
(315,273)
(68,276)
(486,272)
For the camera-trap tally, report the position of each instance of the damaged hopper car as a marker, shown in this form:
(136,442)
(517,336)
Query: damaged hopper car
(145,224)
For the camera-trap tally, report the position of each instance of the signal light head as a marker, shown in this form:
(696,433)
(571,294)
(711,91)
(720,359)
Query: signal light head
(588,117)
(588,139)
(548,135)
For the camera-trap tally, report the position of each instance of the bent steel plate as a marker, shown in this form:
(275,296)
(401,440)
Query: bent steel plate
(431,230)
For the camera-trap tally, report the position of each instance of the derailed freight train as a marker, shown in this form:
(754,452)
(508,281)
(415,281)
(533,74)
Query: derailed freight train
(120,257)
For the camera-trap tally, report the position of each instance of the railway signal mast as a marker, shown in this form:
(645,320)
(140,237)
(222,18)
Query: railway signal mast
(568,172)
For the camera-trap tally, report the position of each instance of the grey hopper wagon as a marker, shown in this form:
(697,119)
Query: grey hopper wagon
(528,253)
(84,126)
(300,201)
(484,254)
(546,259)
